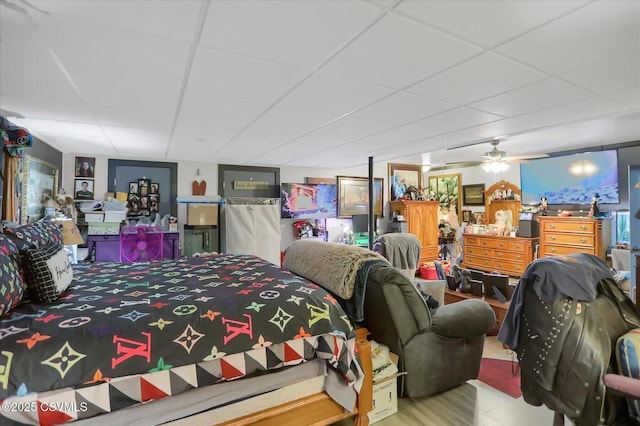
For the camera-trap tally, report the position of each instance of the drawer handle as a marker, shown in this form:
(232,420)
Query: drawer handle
(552,226)
(499,265)
(517,266)
(499,254)
(486,263)
(518,257)
(583,227)
(552,238)
(500,244)
(552,250)
(517,246)
(486,252)
(484,243)
(583,240)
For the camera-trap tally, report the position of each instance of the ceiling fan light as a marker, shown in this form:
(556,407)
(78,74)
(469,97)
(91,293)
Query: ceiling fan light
(495,167)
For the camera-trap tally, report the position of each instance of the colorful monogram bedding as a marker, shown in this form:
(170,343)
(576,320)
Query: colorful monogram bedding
(128,333)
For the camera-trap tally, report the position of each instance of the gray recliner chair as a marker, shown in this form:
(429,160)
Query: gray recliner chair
(438,349)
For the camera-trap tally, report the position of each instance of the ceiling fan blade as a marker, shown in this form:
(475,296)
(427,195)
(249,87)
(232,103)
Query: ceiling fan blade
(525,157)
(469,144)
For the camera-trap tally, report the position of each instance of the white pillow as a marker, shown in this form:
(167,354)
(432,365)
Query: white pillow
(48,272)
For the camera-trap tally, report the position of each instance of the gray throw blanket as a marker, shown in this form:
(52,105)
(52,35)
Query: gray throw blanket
(338,268)
(401,249)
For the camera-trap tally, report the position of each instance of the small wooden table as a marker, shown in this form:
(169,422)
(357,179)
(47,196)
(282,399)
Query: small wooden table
(499,308)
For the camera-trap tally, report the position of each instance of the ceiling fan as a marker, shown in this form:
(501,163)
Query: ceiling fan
(495,160)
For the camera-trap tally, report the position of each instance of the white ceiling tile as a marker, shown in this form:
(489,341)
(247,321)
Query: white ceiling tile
(160,18)
(487,22)
(329,93)
(545,94)
(130,104)
(402,108)
(96,145)
(594,33)
(629,96)
(297,33)
(280,125)
(581,110)
(108,54)
(233,75)
(132,133)
(226,114)
(333,134)
(608,76)
(501,127)
(396,52)
(478,78)
(63,128)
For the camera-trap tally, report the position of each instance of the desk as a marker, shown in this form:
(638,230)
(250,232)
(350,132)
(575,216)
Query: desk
(107,247)
(500,309)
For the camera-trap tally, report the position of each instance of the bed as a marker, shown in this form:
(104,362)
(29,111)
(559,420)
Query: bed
(159,336)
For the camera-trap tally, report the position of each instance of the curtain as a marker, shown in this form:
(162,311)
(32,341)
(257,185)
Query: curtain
(9,193)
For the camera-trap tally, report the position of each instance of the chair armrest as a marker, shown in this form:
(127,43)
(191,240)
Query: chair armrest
(467,318)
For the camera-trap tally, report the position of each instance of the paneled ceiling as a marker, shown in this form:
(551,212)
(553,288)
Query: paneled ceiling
(320,83)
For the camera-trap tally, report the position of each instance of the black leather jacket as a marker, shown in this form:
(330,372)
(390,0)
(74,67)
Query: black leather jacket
(565,345)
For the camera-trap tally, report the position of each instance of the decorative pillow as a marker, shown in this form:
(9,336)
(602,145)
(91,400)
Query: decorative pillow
(34,235)
(11,281)
(48,272)
(628,357)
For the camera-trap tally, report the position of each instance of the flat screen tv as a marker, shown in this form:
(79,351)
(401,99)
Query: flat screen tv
(571,179)
(309,201)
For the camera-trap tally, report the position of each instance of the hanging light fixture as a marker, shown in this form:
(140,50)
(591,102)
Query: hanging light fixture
(495,167)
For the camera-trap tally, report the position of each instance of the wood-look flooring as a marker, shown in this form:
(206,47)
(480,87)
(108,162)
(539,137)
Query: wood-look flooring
(474,403)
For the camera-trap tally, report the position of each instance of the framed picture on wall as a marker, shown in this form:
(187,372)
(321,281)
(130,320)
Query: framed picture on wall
(83,189)
(133,187)
(154,188)
(447,189)
(473,195)
(353,196)
(85,167)
(39,184)
(402,176)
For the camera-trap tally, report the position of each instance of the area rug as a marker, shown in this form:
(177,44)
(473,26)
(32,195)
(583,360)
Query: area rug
(498,374)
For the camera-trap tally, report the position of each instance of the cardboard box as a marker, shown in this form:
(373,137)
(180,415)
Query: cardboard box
(104,228)
(385,399)
(115,215)
(385,395)
(94,217)
(202,214)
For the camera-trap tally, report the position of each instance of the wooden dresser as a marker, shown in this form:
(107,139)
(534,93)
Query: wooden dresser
(422,221)
(565,235)
(508,255)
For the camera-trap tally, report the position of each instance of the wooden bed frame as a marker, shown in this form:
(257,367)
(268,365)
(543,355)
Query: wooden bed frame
(318,409)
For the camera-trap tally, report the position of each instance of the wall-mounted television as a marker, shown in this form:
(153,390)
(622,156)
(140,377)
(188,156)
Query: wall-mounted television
(571,179)
(309,201)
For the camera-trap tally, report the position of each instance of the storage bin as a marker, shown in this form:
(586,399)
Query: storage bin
(104,228)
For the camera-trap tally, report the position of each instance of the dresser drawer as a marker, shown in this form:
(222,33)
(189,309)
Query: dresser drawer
(471,241)
(514,267)
(429,252)
(554,250)
(575,239)
(517,247)
(569,226)
(478,261)
(477,251)
(509,255)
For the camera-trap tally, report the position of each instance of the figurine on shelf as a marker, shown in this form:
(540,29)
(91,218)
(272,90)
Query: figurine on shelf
(595,211)
(543,206)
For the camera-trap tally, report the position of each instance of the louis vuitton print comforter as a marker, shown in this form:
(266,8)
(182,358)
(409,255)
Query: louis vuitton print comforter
(129,333)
